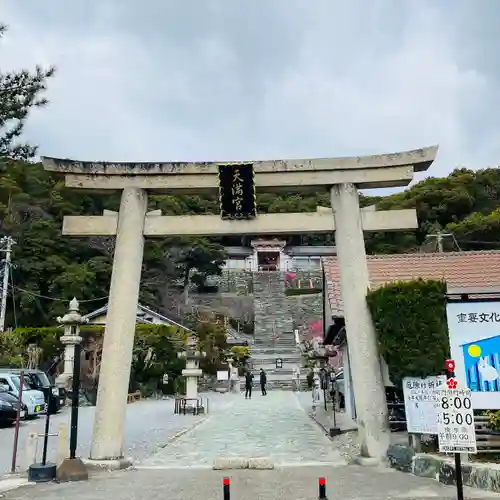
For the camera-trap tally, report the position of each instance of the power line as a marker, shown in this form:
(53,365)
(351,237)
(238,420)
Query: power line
(55,299)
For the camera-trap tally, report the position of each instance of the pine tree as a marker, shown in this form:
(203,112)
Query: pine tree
(20,91)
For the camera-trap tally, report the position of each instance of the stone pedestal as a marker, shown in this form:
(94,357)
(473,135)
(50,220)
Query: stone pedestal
(69,342)
(192,374)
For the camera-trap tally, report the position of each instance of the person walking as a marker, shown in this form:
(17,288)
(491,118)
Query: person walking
(248,384)
(263,381)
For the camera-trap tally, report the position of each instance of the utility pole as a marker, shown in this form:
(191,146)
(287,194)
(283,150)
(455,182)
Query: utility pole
(6,244)
(439,237)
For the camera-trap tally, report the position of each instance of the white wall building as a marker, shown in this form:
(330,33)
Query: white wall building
(273,254)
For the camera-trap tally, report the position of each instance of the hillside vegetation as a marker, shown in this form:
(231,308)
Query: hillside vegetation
(33,203)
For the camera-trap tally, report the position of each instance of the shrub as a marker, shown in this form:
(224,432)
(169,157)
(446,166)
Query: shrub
(410,320)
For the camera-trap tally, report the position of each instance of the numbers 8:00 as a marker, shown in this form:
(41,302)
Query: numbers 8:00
(457,403)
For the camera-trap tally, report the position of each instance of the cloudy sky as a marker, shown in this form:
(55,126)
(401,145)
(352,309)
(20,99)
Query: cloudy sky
(235,80)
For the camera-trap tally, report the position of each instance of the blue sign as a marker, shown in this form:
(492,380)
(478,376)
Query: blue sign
(481,363)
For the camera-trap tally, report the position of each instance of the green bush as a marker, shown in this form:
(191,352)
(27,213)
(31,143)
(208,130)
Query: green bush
(493,420)
(410,320)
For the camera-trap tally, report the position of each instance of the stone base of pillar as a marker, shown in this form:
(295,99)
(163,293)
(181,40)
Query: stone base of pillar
(114,464)
(367,461)
(72,469)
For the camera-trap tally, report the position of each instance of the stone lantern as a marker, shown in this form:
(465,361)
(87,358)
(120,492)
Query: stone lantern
(192,372)
(71,322)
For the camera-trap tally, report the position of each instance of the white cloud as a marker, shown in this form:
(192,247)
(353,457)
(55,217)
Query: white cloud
(282,78)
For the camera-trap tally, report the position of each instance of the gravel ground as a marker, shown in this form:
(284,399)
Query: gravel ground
(149,425)
(291,483)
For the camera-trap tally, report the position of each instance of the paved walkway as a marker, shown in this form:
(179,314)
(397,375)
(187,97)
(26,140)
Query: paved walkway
(290,483)
(149,425)
(274,426)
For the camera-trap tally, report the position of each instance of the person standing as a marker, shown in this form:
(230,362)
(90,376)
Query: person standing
(296,378)
(248,384)
(263,381)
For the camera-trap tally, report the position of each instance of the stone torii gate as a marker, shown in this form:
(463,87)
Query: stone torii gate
(341,176)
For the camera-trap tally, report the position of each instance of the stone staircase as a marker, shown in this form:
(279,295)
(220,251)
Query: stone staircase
(274,337)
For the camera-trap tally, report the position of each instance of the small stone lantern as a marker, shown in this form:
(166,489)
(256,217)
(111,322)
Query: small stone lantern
(192,372)
(71,321)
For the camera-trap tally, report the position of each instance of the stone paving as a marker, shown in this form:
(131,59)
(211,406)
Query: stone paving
(290,483)
(149,425)
(274,426)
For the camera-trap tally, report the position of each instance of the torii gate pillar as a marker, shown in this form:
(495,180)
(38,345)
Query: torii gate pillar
(343,176)
(114,375)
(361,336)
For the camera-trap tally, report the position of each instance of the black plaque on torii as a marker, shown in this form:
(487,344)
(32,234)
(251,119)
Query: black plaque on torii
(237,191)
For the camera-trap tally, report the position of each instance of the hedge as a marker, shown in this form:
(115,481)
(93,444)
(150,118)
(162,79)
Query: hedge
(410,320)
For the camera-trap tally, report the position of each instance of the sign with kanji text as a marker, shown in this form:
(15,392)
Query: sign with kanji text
(422,403)
(237,191)
(474,333)
(455,422)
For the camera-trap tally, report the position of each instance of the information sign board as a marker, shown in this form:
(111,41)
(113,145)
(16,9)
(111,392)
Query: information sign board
(422,403)
(456,432)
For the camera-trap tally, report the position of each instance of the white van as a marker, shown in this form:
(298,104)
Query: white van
(33,399)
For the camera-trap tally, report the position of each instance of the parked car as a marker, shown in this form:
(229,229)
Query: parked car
(33,399)
(9,405)
(38,380)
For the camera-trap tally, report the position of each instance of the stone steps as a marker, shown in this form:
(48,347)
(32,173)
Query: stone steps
(271,364)
(286,385)
(278,352)
(274,337)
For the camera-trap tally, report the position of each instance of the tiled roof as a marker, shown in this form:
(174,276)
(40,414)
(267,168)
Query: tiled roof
(458,269)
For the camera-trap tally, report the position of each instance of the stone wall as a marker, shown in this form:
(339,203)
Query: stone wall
(236,306)
(236,299)
(306,310)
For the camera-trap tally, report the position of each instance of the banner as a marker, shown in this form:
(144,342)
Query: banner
(237,191)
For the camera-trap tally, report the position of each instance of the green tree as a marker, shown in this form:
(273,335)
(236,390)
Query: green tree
(20,92)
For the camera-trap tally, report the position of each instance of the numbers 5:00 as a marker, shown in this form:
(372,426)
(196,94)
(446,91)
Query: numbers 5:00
(459,419)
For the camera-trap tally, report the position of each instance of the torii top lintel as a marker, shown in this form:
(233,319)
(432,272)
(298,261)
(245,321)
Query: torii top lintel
(385,170)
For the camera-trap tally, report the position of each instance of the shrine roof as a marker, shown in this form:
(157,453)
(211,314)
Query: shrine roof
(419,159)
(460,270)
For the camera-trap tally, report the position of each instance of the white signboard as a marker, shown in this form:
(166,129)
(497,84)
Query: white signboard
(456,432)
(222,375)
(474,332)
(421,403)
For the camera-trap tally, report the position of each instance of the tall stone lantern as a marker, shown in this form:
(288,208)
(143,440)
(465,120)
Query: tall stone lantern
(192,372)
(71,321)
